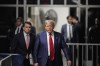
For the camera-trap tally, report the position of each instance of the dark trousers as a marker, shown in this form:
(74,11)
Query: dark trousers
(20,60)
(73,54)
(26,62)
(96,55)
(50,63)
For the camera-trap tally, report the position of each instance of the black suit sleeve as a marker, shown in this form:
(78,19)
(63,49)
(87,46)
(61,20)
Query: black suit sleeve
(36,46)
(65,48)
(33,43)
(14,44)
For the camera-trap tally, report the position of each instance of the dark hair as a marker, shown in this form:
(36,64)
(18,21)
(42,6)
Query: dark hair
(68,17)
(75,17)
(20,18)
(27,23)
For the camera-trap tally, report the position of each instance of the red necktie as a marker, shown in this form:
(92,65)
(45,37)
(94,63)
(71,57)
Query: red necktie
(51,48)
(27,40)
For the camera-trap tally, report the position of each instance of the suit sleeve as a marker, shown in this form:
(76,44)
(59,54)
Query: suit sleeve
(14,44)
(33,43)
(33,30)
(36,46)
(65,48)
(62,31)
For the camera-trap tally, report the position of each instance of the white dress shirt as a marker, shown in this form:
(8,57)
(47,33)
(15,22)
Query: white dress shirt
(25,36)
(48,41)
(69,31)
(17,29)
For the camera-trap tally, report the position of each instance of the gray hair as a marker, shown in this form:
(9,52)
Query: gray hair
(52,21)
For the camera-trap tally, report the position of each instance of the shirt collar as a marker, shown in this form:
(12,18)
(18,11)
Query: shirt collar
(69,24)
(51,33)
(25,34)
(19,26)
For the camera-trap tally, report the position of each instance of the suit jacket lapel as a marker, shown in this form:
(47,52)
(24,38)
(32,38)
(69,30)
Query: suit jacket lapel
(30,41)
(55,40)
(23,40)
(45,40)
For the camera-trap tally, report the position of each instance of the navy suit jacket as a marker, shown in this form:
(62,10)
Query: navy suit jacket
(19,45)
(41,49)
(64,31)
(11,33)
(76,32)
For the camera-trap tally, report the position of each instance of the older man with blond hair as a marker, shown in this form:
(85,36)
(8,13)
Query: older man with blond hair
(47,49)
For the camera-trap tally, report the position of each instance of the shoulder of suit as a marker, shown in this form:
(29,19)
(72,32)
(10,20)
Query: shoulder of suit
(57,33)
(41,33)
(18,35)
(31,34)
(33,26)
(64,25)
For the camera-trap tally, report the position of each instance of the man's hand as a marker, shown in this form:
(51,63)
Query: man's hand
(69,62)
(36,64)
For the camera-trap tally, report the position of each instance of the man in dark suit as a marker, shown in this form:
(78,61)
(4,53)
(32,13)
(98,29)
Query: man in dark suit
(71,35)
(77,37)
(23,44)
(47,49)
(94,37)
(17,28)
(77,29)
(67,30)
(70,32)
